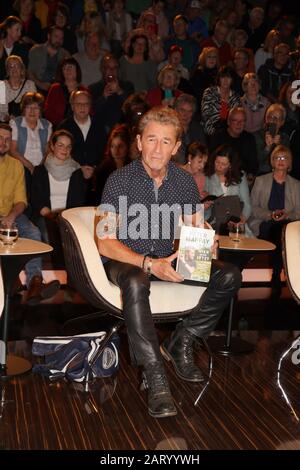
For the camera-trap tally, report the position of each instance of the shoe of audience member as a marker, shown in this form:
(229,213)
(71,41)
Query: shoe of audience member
(38,291)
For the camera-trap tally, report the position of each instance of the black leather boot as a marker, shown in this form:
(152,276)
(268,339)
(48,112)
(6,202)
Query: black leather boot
(160,401)
(179,350)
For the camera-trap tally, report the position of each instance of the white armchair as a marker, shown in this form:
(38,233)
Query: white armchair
(169,301)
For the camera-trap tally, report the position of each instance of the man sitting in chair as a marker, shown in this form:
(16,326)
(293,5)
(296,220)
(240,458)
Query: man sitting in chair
(139,249)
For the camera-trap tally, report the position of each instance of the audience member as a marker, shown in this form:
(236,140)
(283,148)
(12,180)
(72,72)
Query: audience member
(270,135)
(11,30)
(30,132)
(31,25)
(224,178)
(92,23)
(266,51)
(109,93)
(253,103)
(61,19)
(68,79)
(275,202)
(167,90)
(205,74)
(175,55)
(88,132)
(89,60)
(241,62)
(197,155)
(218,40)
(186,106)
(275,72)
(116,156)
(57,184)
(181,38)
(217,101)
(240,140)
(13,203)
(255,28)
(16,86)
(44,59)
(119,24)
(136,67)
(148,26)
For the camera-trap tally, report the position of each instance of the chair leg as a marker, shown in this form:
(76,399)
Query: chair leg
(108,337)
(90,316)
(210,369)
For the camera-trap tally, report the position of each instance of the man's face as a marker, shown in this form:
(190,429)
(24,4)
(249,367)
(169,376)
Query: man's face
(5,141)
(15,32)
(110,70)
(185,112)
(221,34)
(179,27)
(92,47)
(81,107)
(56,39)
(236,123)
(158,144)
(281,55)
(240,61)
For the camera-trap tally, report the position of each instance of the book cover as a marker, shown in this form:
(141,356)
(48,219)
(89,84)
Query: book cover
(194,257)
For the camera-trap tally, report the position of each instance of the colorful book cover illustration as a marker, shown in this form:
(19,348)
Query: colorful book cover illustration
(195,256)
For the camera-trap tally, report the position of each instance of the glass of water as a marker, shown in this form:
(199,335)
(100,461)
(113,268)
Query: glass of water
(8,235)
(236,231)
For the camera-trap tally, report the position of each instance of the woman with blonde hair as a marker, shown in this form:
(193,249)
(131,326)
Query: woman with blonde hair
(168,79)
(266,50)
(92,23)
(205,74)
(275,199)
(16,85)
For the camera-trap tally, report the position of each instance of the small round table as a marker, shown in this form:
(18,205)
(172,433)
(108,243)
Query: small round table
(13,259)
(246,248)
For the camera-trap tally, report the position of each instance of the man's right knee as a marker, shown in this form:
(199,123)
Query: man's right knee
(134,279)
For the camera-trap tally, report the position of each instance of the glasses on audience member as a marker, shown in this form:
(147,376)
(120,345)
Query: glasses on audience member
(281,158)
(274,117)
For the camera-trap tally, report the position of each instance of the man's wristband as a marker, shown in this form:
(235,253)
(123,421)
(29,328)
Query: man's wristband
(147,265)
(143,262)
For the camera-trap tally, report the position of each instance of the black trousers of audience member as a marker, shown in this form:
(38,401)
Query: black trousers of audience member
(224,282)
(271,231)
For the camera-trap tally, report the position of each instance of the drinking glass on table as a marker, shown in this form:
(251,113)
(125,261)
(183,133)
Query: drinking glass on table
(8,235)
(236,231)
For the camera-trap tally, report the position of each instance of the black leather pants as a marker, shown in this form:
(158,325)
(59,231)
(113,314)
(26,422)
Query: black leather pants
(135,286)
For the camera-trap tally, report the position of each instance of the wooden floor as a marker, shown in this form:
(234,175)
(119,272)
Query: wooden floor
(241,408)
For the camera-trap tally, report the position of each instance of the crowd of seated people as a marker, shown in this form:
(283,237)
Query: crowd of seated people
(91,69)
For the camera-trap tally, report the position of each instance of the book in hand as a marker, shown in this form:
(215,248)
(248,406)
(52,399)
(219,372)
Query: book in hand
(195,256)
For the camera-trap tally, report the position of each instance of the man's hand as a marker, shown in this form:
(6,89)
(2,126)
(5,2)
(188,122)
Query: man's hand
(162,268)
(279,215)
(111,88)
(270,140)
(87,171)
(8,220)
